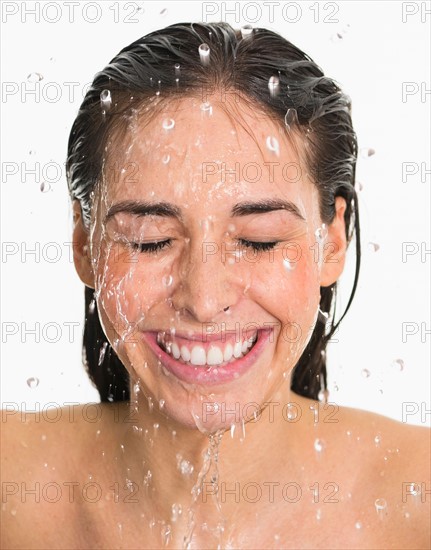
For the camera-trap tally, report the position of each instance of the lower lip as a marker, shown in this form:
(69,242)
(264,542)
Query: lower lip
(211,375)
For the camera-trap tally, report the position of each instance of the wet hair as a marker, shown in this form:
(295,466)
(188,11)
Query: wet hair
(237,63)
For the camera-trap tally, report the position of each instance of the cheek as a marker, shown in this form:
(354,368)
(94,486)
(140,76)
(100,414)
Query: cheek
(289,285)
(128,287)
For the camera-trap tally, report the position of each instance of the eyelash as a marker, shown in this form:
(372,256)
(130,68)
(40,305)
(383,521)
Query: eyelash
(152,248)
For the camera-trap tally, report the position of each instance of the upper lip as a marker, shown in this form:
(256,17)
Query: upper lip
(210,337)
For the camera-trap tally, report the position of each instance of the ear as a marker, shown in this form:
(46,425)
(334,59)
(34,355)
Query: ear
(335,246)
(81,251)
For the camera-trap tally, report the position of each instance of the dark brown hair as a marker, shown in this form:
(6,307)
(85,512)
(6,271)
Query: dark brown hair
(237,62)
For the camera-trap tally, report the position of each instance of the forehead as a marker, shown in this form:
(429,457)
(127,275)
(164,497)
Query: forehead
(194,149)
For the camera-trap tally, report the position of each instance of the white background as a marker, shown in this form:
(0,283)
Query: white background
(376,53)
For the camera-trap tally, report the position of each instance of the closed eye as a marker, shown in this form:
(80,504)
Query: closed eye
(258,245)
(154,247)
(151,248)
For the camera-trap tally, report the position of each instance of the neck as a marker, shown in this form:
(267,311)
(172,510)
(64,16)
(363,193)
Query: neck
(185,469)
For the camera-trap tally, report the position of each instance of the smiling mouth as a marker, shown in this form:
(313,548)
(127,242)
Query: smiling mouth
(206,355)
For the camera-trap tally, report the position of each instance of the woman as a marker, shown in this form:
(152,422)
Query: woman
(212,176)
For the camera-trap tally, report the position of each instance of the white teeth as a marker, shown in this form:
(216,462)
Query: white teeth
(228,352)
(198,356)
(185,354)
(237,349)
(175,350)
(214,356)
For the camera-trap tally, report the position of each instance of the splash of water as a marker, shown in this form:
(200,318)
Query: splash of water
(246,31)
(209,470)
(204,54)
(274,86)
(33,382)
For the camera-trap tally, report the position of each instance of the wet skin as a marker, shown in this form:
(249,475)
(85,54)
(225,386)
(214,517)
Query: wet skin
(345,478)
(183,164)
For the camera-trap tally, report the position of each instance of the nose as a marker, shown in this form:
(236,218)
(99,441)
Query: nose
(207,284)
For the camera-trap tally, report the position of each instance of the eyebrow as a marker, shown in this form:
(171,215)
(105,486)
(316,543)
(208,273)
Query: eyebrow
(168,210)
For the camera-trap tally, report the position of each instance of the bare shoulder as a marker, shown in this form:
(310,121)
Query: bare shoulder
(43,459)
(412,443)
(394,460)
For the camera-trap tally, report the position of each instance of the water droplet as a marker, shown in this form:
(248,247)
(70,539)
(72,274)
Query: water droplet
(398,364)
(33,382)
(176,511)
(102,353)
(166,534)
(105,99)
(164,12)
(367,152)
(246,31)
(45,187)
(323,396)
(319,445)
(323,316)
(274,86)
(212,407)
(168,123)
(413,489)
(34,77)
(204,54)
(147,478)
(136,388)
(377,440)
(167,280)
(292,411)
(358,525)
(161,404)
(365,373)
(406,515)
(43,437)
(381,507)
(13,512)
(288,265)
(92,306)
(207,108)
(291,119)
(373,247)
(273,145)
(177,69)
(184,466)
(321,232)
(337,37)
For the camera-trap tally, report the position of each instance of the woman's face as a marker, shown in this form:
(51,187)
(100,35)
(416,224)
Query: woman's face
(206,186)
